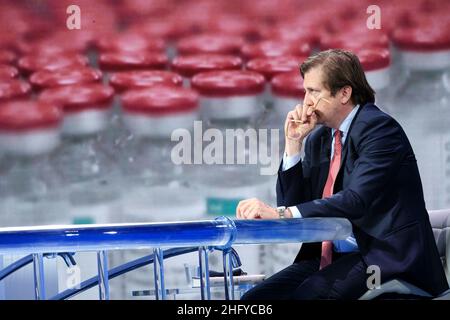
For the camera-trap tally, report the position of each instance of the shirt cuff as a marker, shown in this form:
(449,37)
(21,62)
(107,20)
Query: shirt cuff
(290,161)
(295,212)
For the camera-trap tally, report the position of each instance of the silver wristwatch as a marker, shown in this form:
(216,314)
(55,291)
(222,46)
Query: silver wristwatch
(281,212)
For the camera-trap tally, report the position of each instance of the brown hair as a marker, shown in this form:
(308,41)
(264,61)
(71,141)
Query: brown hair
(341,68)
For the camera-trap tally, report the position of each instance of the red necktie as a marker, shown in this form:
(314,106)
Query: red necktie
(327,246)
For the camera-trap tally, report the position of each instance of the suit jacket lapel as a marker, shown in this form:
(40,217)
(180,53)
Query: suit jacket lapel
(345,146)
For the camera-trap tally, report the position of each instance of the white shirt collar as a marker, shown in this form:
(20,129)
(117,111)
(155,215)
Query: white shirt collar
(345,125)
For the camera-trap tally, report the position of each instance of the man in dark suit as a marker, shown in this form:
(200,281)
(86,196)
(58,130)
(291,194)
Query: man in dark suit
(357,165)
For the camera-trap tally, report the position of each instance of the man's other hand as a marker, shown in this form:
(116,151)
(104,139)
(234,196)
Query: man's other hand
(255,209)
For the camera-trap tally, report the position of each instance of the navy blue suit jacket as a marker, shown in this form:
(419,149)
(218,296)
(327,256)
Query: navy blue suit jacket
(378,189)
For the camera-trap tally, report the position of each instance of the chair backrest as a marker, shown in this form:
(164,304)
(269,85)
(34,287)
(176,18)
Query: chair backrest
(440,221)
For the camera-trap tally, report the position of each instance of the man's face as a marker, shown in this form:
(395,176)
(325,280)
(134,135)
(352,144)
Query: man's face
(326,111)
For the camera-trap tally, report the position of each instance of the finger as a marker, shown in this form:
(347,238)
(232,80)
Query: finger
(246,208)
(246,212)
(304,116)
(253,213)
(241,206)
(242,210)
(246,201)
(238,213)
(294,115)
(292,119)
(243,202)
(299,109)
(238,210)
(298,106)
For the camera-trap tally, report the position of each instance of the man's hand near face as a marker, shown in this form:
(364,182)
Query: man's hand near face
(299,123)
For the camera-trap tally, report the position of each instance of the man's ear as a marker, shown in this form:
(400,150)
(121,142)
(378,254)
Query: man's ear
(346,94)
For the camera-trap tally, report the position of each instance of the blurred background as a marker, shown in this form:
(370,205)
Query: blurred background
(91,92)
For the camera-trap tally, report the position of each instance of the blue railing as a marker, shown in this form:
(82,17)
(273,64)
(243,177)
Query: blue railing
(120,270)
(220,233)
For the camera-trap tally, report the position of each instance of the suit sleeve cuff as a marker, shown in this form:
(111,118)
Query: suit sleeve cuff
(290,161)
(295,212)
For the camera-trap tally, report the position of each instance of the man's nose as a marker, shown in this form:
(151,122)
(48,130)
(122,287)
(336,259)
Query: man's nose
(308,101)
